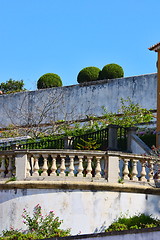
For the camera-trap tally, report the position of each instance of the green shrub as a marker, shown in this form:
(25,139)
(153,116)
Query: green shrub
(88,74)
(148,136)
(12,86)
(111,71)
(135,222)
(39,227)
(49,80)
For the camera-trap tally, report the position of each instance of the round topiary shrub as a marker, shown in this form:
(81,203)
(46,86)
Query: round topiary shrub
(88,74)
(49,80)
(111,71)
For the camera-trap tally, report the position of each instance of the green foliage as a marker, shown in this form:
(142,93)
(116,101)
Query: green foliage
(88,144)
(88,74)
(16,235)
(130,114)
(12,86)
(148,136)
(49,80)
(111,71)
(39,227)
(11,179)
(11,131)
(135,222)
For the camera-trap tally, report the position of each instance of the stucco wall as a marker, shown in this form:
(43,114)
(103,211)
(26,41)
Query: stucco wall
(74,102)
(85,211)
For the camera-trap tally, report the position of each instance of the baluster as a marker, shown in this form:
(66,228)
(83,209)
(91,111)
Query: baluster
(126,171)
(71,167)
(134,170)
(62,167)
(45,166)
(9,174)
(158,171)
(28,168)
(89,167)
(3,168)
(150,174)
(54,167)
(98,168)
(36,166)
(80,167)
(143,172)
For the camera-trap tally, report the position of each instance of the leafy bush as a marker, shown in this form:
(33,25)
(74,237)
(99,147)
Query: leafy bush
(111,71)
(39,227)
(88,74)
(12,86)
(49,80)
(148,136)
(129,114)
(135,222)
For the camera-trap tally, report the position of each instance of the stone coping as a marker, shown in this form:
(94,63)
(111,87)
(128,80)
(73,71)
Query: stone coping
(80,185)
(105,234)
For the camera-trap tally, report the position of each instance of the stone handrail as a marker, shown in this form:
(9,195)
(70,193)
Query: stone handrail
(71,165)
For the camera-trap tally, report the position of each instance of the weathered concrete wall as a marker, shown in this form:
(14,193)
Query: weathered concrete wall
(83,211)
(74,102)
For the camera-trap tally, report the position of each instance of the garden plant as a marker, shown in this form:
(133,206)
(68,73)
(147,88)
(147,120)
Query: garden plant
(38,227)
(88,74)
(49,80)
(111,71)
(136,222)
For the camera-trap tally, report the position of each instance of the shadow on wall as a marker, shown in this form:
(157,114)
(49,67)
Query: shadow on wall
(101,229)
(152,205)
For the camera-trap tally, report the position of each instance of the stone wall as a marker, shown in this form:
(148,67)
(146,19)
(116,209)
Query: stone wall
(78,101)
(85,211)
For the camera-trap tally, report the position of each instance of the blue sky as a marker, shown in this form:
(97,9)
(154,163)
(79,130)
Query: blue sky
(64,36)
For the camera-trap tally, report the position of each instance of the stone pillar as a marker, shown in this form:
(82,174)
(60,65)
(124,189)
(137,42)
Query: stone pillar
(113,169)
(21,165)
(130,132)
(112,137)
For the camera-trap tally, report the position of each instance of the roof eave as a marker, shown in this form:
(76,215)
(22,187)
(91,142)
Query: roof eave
(155,47)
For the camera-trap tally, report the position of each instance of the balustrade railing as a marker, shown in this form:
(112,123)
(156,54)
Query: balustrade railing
(139,168)
(7,165)
(72,165)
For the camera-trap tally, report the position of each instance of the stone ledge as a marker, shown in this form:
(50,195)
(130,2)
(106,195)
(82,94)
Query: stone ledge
(91,186)
(107,234)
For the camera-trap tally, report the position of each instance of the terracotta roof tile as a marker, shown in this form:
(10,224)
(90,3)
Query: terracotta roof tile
(155,47)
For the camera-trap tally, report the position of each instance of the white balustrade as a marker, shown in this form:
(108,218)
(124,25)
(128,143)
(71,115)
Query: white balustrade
(10,168)
(53,167)
(134,170)
(36,166)
(126,170)
(7,166)
(98,169)
(45,166)
(78,165)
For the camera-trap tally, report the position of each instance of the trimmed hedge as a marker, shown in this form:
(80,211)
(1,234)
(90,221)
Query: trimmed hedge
(111,71)
(49,80)
(88,74)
